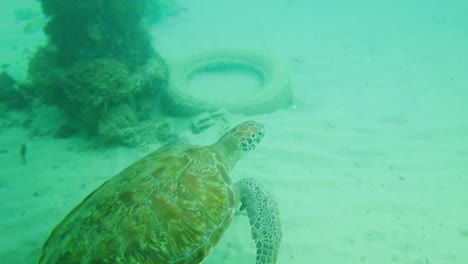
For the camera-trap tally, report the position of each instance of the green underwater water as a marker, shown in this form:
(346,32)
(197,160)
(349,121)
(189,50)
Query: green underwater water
(369,163)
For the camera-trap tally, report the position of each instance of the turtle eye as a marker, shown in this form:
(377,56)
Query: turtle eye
(260,134)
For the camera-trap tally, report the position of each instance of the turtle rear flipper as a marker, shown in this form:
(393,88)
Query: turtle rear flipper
(263,213)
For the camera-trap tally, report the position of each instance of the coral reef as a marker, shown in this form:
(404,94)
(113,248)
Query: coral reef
(99,66)
(98,28)
(120,126)
(11,98)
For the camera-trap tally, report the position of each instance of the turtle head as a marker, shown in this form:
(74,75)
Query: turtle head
(241,139)
(247,134)
(235,143)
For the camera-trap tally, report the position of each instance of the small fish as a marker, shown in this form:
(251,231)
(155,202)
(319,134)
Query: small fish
(25,14)
(36,24)
(22,153)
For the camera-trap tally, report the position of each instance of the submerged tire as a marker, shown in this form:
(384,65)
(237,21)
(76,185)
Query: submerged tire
(274,93)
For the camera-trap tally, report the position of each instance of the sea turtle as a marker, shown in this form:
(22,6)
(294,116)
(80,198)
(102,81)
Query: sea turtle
(171,206)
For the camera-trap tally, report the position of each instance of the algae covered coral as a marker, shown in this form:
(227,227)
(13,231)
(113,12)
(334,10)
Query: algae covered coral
(99,61)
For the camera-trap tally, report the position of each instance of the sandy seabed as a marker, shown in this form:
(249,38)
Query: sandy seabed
(369,164)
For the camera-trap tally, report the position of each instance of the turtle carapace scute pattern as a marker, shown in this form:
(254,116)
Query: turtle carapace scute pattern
(171,206)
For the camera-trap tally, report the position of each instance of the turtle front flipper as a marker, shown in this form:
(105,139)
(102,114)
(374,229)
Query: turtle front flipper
(263,213)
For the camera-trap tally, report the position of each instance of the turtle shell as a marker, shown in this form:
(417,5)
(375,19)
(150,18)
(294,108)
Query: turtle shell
(171,206)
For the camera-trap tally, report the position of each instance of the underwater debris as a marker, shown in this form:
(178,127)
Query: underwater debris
(273,92)
(206,120)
